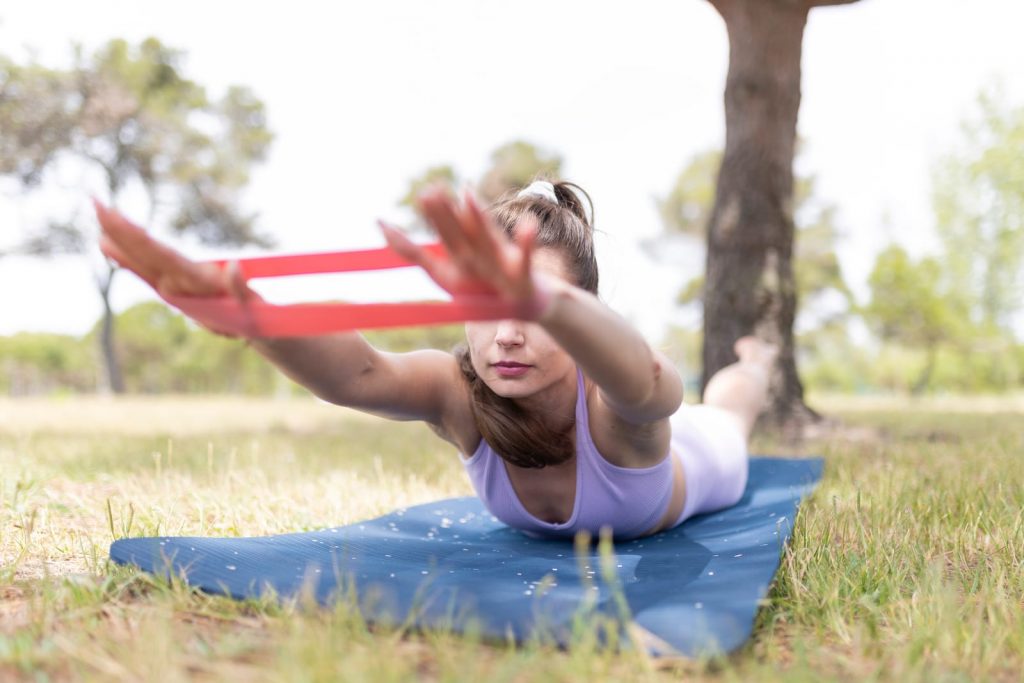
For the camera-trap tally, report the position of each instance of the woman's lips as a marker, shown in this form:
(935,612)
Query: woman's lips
(508,368)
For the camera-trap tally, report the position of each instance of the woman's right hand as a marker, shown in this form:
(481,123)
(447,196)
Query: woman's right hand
(481,258)
(163,268)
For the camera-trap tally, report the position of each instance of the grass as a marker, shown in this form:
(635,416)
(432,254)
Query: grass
(907,564)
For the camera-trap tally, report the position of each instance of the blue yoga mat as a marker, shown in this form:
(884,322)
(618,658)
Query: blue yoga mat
(692,590)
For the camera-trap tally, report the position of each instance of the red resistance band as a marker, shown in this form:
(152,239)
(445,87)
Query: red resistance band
(261,319)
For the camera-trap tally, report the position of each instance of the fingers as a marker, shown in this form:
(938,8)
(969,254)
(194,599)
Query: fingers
(112,243)
(526,238)
(139,251)
(163,268)
(136,250)
(170,273)
(239,289)
(114,253)
(482,229)
(401,244)
(238,286)
(445,273)
(479,250)
(512,265)
(467,232)
(195,279)
(440,272)
(410,251)
(439,209)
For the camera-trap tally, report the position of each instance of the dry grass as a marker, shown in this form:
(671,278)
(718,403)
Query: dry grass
(177,416)
(943,403)
(908,564)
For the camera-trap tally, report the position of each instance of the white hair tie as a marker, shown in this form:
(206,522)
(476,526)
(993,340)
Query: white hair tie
(539,188)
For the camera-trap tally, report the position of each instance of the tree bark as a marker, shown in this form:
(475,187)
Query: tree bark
(111,362)
(922,381)
(750,287)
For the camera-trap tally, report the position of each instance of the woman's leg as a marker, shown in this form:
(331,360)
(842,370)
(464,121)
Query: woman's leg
(710,440)
(741,389)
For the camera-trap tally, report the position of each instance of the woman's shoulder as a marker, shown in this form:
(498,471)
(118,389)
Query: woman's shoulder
(622,443)
(457,425)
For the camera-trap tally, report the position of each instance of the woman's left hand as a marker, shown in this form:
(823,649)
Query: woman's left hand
(482,260)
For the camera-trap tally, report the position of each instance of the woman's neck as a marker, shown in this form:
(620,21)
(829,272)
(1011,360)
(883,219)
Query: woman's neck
(555,405)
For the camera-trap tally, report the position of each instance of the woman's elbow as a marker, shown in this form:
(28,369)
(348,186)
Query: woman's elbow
(665,392)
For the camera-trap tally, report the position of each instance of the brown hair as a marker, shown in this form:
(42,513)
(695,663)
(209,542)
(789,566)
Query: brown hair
(516,435)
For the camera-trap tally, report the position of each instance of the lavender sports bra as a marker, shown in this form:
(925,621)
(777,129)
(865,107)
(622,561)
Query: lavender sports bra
(629,500)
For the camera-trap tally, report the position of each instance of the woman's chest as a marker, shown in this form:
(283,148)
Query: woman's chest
(549,494)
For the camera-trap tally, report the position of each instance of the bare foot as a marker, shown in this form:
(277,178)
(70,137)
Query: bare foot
(754,351)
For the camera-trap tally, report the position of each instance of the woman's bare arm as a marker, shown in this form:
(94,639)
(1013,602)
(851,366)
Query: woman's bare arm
(346,370)
(342,368)
(638,384)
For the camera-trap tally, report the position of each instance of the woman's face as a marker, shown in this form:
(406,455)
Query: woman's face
(518,359)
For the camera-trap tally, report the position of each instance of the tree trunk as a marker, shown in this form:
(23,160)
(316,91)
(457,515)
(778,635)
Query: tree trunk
(115,381)
(923,380)
(750,288)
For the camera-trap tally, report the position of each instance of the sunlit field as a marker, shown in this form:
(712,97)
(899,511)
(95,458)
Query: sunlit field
(906,564)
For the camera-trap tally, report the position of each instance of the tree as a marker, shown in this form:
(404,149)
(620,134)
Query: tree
(433,175)
(910,305)
(162,352)
(127,113)
(149,334)
(38,363)
(750,283)
(961,313)
(686,210)
(514,165)
(979,210)
(825,301)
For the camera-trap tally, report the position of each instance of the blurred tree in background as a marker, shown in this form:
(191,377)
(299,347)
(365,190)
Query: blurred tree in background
(949,321)
(686,209)
(979,209)
(962,308)
(34,363)
(160,352)
(127,113)
(909,306)
(513,166)
(434,175)
(826,303)
(163,352)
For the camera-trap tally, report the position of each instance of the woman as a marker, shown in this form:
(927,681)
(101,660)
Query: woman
(568,419)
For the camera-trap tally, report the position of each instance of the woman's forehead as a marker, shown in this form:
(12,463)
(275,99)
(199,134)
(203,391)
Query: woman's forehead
(552,261)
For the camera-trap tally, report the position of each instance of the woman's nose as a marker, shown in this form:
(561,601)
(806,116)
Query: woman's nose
(509,333)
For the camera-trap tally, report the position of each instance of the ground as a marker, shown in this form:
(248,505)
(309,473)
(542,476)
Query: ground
(906,564)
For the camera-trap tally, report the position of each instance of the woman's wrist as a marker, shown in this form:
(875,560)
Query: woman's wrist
(547,290)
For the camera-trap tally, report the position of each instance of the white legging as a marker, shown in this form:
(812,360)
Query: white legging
(710,444)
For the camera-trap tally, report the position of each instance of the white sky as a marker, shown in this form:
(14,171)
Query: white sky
(363,96)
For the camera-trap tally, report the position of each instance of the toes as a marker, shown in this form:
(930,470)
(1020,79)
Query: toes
(745,346)
(752,349)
